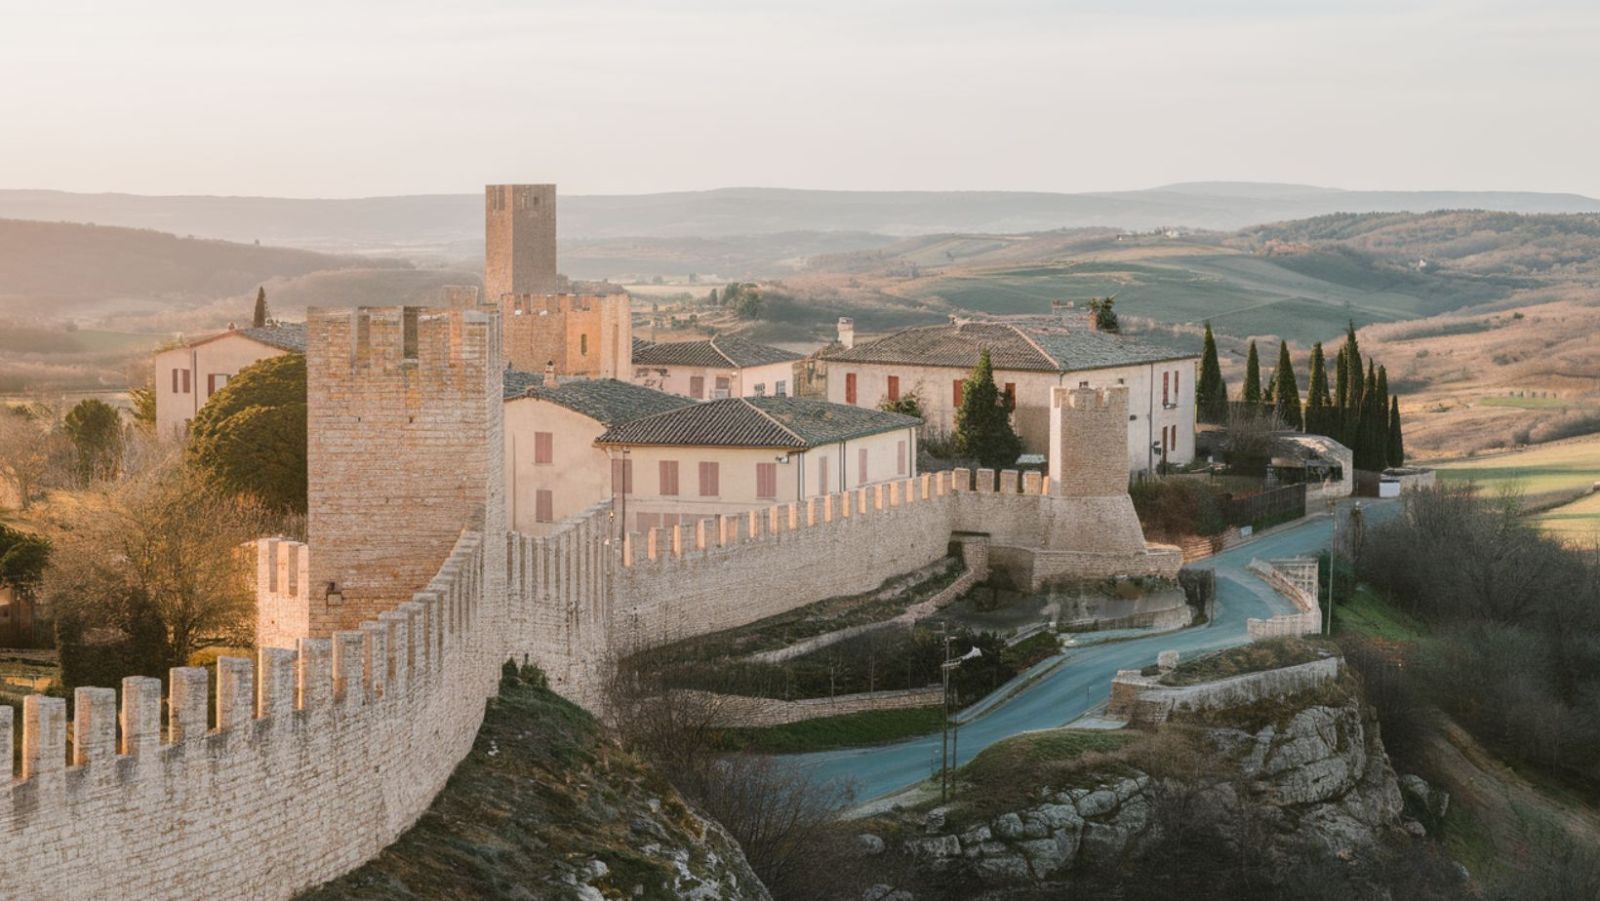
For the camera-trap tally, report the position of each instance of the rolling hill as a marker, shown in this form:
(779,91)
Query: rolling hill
(451,224)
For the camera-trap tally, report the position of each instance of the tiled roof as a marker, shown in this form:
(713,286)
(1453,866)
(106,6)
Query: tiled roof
(1009,346)
(289,336)
(724,350)
(517,382)
(778,422)
(609,401)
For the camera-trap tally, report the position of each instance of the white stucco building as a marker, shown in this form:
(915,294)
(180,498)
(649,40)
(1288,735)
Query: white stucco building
(932,362)
(187,375)
(721,367)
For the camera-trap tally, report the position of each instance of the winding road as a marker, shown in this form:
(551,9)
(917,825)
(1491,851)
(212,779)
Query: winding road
(1084,681)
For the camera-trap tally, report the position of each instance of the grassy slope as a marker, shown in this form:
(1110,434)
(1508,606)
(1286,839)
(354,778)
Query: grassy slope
(1556,472)
(542,792)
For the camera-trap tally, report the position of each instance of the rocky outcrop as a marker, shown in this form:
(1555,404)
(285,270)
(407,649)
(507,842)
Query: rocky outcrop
(1317,775)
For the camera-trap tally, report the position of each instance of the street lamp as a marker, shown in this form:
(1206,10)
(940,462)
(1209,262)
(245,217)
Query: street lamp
(949,741)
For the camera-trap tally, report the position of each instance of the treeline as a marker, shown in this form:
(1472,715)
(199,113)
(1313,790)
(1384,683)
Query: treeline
(1356,409)
(1514,616)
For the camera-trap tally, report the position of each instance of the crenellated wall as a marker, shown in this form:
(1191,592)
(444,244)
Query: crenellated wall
(308,763)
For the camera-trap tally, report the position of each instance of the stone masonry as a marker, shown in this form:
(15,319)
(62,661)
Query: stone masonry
(519,235)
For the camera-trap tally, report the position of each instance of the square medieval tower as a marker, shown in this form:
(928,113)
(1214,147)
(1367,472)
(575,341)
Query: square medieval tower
(519,241)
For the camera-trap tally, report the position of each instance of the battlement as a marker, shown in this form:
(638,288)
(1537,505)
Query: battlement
(327,751)
(537,304)
(283,592)
(1109,400)
(385,339)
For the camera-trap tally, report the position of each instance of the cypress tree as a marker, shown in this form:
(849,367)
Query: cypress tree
(983,424)
(1286,393)
(1211,393)
(1317,393)
(1397,444)
(260,318)
(1341,385)
(1252,378)
(1380,420)
(1368,443)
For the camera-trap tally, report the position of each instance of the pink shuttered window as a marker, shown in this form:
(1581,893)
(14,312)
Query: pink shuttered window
(710,475)
(766,480)
(669,477)
(849,387)
(956,392)
(621,477)
(861,466)
(1166,398)
(186,388)
(894,387)
(697,387)
(543,448)
(543,506)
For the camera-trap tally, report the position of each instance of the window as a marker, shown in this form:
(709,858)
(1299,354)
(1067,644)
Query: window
(186,388)
(761,389)
(1175,391)
(1166,399)
(850,388)
(1011,395)
(955,392)
(621,477)
(722,387)
(215,381)
(543,506)
(543,449)
(822,476)
(780,389)
(583,345)
(697,387)
(861,466)
(894,388)
(709,477)
(900,458)
(766,480)
(180,381)
(669,477)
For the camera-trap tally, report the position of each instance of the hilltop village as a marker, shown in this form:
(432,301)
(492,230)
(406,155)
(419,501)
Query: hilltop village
(511,485)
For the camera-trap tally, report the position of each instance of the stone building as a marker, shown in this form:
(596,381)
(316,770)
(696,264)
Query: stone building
(724,366)
(519,240)
(741,454)
(187,375)
(932,363)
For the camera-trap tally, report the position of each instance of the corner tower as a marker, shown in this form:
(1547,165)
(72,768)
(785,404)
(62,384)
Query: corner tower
(519,235)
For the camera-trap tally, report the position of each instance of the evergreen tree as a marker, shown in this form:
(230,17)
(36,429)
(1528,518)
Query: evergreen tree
(1210,392)
(1317,400)
(983,424)
(1397,444)
(260,318)
(1380,420)
(1369,444)
(1286,390)
(1105,314)
(1252,378)
(95,428)
(1341,385)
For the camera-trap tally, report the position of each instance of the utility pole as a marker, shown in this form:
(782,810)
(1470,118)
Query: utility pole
(944,738)
(1333,558)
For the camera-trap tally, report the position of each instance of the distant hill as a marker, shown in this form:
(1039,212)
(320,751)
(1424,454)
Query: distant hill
(73,264)
(452,224)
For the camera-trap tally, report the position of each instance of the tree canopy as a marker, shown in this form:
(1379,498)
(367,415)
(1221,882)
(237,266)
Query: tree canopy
(259,319)
(983,424)
(95,429)
(1210,392)
(1286,390)
(1105,314)
(250,437)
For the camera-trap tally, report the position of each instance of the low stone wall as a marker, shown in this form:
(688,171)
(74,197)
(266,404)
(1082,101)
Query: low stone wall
(742,711)
(1143,698)
(1296,579)
(320,757)
(1199,547)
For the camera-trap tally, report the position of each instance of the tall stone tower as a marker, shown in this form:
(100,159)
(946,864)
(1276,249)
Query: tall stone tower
(519,241)
(404,452)
(1088,441)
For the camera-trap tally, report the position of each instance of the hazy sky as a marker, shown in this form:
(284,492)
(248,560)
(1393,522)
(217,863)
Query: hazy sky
(359,97)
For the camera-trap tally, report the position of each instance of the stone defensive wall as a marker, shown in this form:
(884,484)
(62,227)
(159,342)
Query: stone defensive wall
(1140,697)
(308,763)
(584,593)
(1296,579)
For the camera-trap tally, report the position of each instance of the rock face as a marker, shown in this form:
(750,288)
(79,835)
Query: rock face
(1321,776)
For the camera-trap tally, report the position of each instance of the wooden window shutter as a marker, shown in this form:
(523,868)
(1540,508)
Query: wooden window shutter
(543,448)
(544,506)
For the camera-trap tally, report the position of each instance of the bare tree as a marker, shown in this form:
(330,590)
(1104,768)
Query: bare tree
(30,450)
(160,547)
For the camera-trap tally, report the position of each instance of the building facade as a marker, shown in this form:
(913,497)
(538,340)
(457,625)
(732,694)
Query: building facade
(932,363)
(186,376)
(722,367)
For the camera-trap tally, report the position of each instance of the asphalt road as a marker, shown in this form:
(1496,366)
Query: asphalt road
(1084,681)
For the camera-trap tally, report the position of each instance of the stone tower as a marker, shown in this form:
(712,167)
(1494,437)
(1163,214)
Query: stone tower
(1088,437)
(404,452)
(519,238)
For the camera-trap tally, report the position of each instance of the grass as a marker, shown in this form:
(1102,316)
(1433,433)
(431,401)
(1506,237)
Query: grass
(1256,657)
(851,730)
(1577,523)
(1010,773)
(1365,613)
(1525,403)
(1568,466)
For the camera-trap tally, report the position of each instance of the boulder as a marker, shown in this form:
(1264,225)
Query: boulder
(1096,803)
(869,844)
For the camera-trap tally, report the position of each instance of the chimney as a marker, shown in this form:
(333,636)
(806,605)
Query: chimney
(550,374)
(847,332)
(1061,310)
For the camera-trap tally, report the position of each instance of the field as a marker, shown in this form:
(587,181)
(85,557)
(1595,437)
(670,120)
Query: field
(1545,475)
(1577,523)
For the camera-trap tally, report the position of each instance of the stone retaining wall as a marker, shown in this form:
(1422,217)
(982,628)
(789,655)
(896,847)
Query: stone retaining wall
(1143,698)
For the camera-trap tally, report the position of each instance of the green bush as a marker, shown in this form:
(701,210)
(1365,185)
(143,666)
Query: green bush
(250,437)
